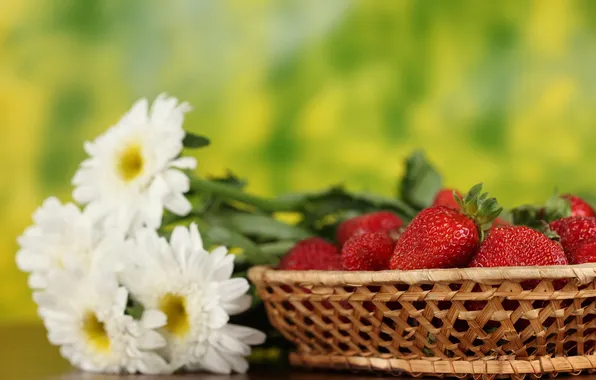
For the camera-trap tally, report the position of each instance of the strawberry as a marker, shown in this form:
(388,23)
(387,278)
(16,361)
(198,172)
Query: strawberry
(312,253)
(370,251)
(582,252)
(573,229)
(518,246)
(441,237)
(380,221)
(579,207)
(445,197)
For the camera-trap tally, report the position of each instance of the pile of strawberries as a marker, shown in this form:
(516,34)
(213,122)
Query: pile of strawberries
(456,231)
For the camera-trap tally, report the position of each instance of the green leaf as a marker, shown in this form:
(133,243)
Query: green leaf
(337,200)
(277,249)
(556,207)
(390,204)
(526,215)
(262,226)
(231,179)
(420,183)
(134,308)
(251,254)
(298,198)
(224,236)
(472,201)
(479,206)
(193,141)
(230,192)
(552,235)
(474,192)
(535,217)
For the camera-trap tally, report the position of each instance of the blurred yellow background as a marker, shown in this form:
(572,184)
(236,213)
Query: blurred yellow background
(298,95)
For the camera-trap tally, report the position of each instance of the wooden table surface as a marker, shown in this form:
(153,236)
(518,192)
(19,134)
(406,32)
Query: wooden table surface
(25,354)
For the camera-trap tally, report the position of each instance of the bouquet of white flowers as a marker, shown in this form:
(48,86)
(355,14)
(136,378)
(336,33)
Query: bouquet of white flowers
(114,293)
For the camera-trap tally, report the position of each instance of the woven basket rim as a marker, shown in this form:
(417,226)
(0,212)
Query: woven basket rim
(582,273)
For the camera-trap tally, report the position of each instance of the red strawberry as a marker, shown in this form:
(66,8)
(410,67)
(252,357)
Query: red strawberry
(438,237)
(518,246)
(579,207)
(445,198)
(312,253)
(582,252)
(370,251)
(574,229)
(380,221)
(441,237)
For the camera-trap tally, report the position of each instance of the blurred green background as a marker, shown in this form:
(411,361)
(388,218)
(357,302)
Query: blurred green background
(298,95)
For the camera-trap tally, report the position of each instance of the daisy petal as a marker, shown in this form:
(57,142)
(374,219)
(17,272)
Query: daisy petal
(121,298)
(178,204)
(184,163)
(214,362)
(162,107)
(231,345)
(155,365)
(151,340)
(180,243)
(26,261)
(89,148)
(177,180)
(238,305)
(238,363)
(137,114)
(153,319)
(218,318)
(245,334)
(233,288)
(83,194)
(195,237)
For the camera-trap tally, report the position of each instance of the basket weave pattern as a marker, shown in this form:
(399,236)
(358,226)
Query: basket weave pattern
(476,321)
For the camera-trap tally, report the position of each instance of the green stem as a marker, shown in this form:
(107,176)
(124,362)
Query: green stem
(277,248)
(233,193)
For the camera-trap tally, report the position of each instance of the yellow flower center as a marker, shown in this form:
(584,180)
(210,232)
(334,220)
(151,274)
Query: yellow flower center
(174,307)
(130,162)
(95,332)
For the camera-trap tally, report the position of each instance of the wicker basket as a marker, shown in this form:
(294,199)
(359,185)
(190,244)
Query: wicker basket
(480,322)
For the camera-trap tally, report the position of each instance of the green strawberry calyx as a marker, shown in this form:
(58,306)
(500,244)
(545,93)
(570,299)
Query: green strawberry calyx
(479,207)
(546,231)
(556,207)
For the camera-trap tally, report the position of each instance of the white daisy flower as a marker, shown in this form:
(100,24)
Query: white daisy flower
(62,238)
(84,315)
(133,169)
(195,290)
